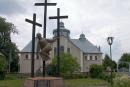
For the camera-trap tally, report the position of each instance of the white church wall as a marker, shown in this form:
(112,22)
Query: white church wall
(67,44)
(90,59)
(25,63)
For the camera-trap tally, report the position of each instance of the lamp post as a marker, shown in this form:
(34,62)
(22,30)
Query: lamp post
(110,41)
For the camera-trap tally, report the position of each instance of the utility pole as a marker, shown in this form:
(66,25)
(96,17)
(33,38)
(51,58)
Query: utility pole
(110,41)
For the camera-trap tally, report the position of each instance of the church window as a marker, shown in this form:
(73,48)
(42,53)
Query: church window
(26,56)
(55,51)
(68,50)
(91,57)
(62,49)
(95,57)
(86,58)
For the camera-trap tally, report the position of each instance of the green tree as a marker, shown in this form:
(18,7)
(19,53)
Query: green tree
(107,62)
(123,65)
(6,28)
(14,58)
(114,65)
(2,66)
(124,58)
(68,64)
(7,47)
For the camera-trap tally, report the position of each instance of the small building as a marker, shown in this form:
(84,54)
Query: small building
(84,51)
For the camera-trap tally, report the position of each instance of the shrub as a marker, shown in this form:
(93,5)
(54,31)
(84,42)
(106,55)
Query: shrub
(96,71)
(74,76)
(122,83)
(2,75)
(51,70)
(68,64)
(107,76)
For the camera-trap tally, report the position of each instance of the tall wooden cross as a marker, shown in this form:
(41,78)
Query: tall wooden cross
(58,17)
(34,23)
(45,4)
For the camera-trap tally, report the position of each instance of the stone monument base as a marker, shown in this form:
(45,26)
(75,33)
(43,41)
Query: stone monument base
(44,82)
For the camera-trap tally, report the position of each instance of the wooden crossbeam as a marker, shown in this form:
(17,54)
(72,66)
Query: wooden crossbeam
(34,23)
(45,4)
(58,17)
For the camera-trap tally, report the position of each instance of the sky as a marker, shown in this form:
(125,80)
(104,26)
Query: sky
(97,19)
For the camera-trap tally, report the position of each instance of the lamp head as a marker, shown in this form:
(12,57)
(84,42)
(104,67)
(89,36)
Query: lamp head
(110,40)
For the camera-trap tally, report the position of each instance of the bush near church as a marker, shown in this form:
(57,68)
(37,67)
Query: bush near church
(2,66)
(68,65)
(96,71)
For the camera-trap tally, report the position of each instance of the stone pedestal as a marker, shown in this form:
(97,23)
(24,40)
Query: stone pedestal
(44,82)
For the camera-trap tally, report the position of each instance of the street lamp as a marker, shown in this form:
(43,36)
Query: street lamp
(110,41)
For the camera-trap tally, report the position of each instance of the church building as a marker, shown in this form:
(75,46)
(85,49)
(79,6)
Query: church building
(84,51)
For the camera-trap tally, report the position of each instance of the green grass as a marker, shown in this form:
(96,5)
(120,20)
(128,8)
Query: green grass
(85,82)
(68,83)
(12,80)
(121,80)
(12,83)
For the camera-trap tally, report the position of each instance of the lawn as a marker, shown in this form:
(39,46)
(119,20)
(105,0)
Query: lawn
(68,83)
(85,82)
(12,83)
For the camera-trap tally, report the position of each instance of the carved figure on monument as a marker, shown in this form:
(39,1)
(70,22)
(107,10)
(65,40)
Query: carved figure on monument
(44,46)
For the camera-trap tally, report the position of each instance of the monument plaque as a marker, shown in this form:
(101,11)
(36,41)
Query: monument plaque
(44,82)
